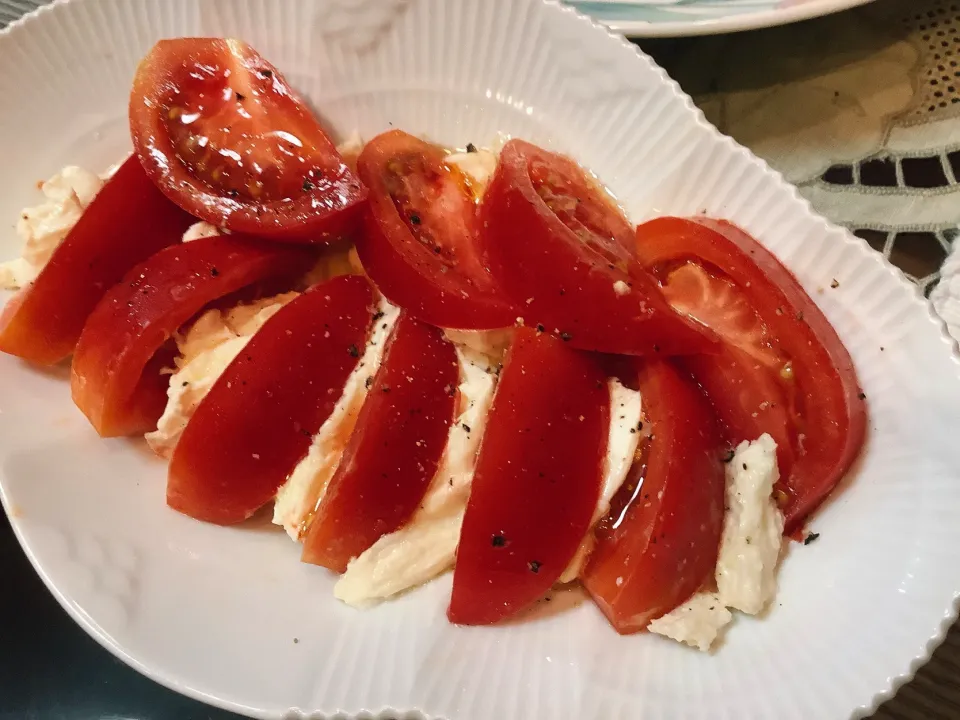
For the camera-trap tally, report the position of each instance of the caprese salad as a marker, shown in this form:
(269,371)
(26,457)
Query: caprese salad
(421,359)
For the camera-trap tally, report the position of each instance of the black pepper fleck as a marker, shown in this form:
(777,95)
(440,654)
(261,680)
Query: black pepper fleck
(812,537)
(368,382)
(862,396)
(498,540)
(415,219)
(214,272)
(565,336)
(308,185)
(471,148)
(240,97)
(534,566)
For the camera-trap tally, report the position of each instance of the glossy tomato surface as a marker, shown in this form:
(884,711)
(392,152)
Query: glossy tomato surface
(420,239)
(789,375)
(537,479)
(259,418)
(128,221)
(142,312)
(395,448)
(660,541)
(224,136)
(563,252)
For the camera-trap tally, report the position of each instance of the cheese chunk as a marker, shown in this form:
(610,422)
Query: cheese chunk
(696,623)
(299,496)
(427,545)
(624,433)
(752,528)
(43,227)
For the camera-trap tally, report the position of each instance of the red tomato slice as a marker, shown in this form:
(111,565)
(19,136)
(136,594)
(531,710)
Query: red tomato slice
(258,419)
(536,482)
(659,543)
(224,136)
(139,314)
(395,448)
(809,382)
(128,221)
(420,244)
(560,248)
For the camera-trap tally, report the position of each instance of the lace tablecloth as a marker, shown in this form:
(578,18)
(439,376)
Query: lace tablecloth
(861,111)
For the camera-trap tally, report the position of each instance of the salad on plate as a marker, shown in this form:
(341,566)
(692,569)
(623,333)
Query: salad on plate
(419,359)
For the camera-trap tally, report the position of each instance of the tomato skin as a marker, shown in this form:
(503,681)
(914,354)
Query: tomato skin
(259,418)
(666,544)
(827,408)
(435,274)
(747,398)
(128,221)
(143,311)
(395,448)
(536,482)
(243,111)
(575,275)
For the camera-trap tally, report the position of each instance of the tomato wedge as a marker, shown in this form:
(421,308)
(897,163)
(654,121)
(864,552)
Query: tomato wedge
(420,243)
(395,448)
(790,357)
(225,137)
(660,541)
(258,419)
(560,248)
(128,221)
(141,313)
(537,479)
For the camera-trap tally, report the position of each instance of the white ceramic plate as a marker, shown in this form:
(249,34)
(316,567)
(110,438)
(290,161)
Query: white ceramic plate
(232,617)
(676,18)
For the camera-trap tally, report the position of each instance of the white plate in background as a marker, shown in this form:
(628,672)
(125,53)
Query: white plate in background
(678,18)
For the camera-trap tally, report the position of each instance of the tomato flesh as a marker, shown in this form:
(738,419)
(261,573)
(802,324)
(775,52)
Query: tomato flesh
(420,243)
(395,448)
(563,252)
(128,221)
(660,541)
(792,377)
(224,136)
(536,482)
(258,419)
(143,311)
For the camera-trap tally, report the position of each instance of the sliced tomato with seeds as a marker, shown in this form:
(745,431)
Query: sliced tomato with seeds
(395,448)
(142,312)
(536,482)
(659,543)
(420,241)
(563,252)
(258,420)
(785,370)
(127,222)
(224,136)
